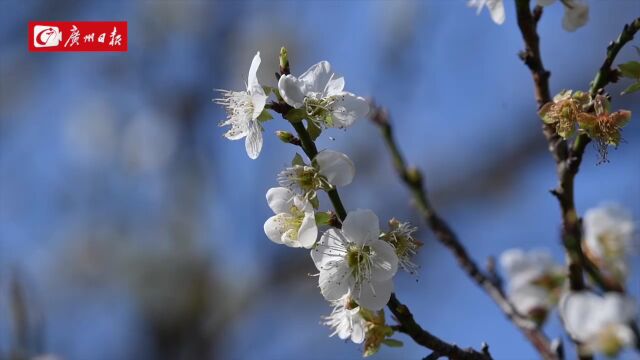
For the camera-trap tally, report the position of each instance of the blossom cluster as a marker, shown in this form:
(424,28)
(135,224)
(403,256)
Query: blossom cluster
(356,261)
(572,111)
(599,322)
(576,12)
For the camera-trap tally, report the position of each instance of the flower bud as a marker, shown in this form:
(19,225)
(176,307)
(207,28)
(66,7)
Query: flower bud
(414,175)
(287,137)
(284,61)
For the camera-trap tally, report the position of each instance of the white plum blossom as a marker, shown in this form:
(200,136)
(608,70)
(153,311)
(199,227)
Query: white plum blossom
(346,320)
(599,323)
(532,301)
(400,236)
(608,234)
(294,223)
(576,13)
(534,281)
(524,268)
(353,260)
(330,169)
(336,167)
(243,109)
(496,9)
(320,92)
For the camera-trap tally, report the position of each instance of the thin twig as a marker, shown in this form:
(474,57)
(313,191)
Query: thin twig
(310,149)
(566,164)
(426,339)
(413,180)
(567,158)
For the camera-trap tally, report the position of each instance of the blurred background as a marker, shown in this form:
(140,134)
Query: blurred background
(131,229)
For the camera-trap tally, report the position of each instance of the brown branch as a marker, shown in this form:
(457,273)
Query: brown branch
(566,164)
(419,335)
(567,158)
(607,75)
(413,180)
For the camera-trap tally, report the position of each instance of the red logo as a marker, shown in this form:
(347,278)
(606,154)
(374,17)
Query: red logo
(54,36)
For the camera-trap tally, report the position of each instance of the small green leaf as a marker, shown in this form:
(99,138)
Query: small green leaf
(630,69)
(631,89)
(314,201)
(267,90)
(370,351)
(387,331)
(392,342)
(296,115)
(297,160)
(323,218)
(366,315)
(313,130)
(265,116)
(276,92)
(328,120)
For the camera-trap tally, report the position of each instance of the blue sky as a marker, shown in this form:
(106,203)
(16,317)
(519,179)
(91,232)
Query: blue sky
(92,144)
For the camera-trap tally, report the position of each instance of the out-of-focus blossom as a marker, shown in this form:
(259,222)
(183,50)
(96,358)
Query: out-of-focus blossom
(535,281)
(608,237)
(599,323)
(576,14)
(496,9)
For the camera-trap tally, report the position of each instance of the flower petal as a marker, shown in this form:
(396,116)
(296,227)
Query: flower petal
(317,77)
(361,226)
(336,167)
(292,90)
(523,268)
(577,310)
(335,281)
(275,227)
(259,100)
(479,4)
(290,238)
(357,332)
(348,108)
(617,308)
(330,249)
(237,131)
(528,298)
(334,86)
(280,199)
(308,232)
(496,9)
(253,142)
(385,262)
(575,16)
(374,295)
(252,78)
